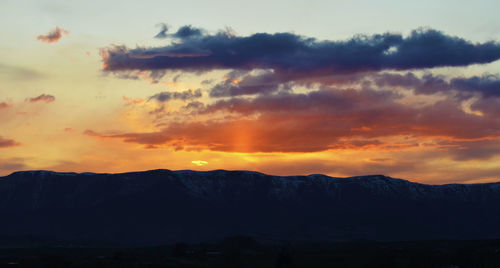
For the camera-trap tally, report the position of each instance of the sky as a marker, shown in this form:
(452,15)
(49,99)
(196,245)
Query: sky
(408,89)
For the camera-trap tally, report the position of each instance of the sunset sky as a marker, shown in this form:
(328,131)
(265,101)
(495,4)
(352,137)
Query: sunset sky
(408,89)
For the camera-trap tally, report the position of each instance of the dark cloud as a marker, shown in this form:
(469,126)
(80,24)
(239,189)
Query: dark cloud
(239,83)
(163,31)
(188,31)
(207,82)
(462,87)
(156,75)
(283,59)
(53,36)
(195,106)
(184,32)
(183,95)
(427,84)
(3,105)
(487,85)
(4,142)
(176,78)
(287,53)
(353,96)
(42,98)
(159,111)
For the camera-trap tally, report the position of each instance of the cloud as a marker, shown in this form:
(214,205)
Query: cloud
(427,84)
(207,82)
(186,95)
(53,36)
(318,121)
(489,107)
(294,55)
(376,110)
(195,106)
(3,105)
(42,98)
(163,31)
(4,142)
(188,31)
(288,93)
(19,73)
(238,83)
(184,32)
(486,85)
(265,63)
(469,150)
(131,101)
(8,165)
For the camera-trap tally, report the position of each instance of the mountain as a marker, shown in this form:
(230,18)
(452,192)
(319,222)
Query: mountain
(163,206)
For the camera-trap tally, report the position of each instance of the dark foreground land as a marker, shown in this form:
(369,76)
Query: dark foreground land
(247,252)
(161,207)
(247,216)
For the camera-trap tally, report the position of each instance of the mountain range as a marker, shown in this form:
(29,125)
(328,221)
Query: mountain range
(162,206)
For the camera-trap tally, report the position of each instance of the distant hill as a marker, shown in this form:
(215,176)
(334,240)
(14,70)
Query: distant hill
(163,206)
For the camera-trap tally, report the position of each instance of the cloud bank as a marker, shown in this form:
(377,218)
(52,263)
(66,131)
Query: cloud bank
(289,54)
(317,121)
(289,93)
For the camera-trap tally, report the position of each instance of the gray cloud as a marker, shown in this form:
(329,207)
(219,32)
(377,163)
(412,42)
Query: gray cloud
(42,98)
(183,95)
(163,31)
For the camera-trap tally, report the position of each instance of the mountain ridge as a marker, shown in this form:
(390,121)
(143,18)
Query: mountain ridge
(368,176)
(163,206)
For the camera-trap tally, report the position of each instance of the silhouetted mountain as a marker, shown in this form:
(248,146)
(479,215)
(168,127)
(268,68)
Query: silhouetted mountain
(162,206)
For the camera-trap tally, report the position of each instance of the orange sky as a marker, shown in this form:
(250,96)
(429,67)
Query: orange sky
(72,101)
